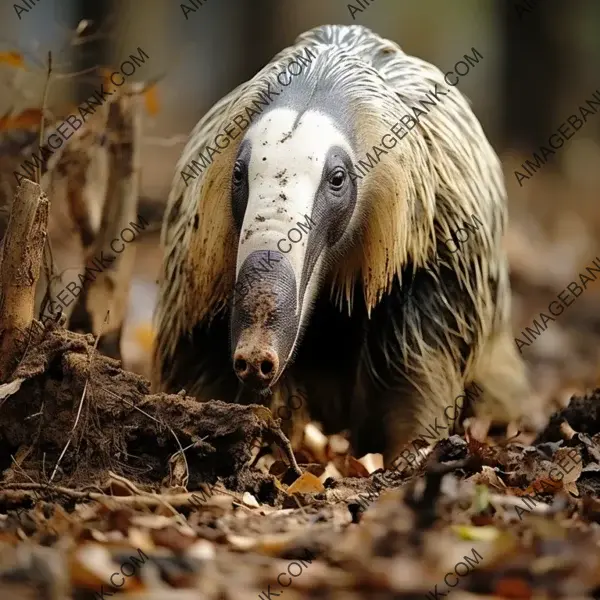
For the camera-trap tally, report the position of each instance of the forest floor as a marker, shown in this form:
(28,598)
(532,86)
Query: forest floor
(109,490)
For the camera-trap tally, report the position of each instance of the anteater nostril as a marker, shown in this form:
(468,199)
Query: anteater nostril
(255,366)
(266,367)
(240,365)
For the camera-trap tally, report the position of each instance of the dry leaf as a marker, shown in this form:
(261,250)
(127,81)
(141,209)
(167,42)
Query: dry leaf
(541,485)
(276,543)
(249,500)
(241,542)
(8,389)
(565,463)
(178,473)
(14,59)
(330,471)
(478,534)
(371,462)
(28,119)
(158,522)
(92,566)
(513,587)
(173,538)
(489,478)
(139,538)
(201,550)
(349,466)
(570,464)
(151,100)
(306,484)
(316,442)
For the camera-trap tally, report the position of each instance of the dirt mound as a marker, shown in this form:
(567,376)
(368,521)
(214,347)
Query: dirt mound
(73,416)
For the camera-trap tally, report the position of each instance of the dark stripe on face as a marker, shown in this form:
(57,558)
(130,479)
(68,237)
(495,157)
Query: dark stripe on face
(239,184)
(332,209)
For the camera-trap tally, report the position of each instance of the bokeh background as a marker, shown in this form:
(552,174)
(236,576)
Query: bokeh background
(541,61)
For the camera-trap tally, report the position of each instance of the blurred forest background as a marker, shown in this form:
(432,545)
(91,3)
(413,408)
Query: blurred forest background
(540,62)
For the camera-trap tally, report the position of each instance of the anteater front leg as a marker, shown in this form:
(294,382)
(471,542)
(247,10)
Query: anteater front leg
(412,370)
(423,407)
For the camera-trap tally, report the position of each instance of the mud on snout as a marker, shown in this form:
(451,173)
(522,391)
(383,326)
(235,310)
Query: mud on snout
(264,318)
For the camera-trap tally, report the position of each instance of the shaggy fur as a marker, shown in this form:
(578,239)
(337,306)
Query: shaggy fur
(366,362)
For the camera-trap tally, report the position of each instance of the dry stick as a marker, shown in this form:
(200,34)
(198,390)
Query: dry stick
(26,475)
(111,286)
(44,100)
(77,178)
(48,258)
(280,438)
(175,500)
(20,263)
(22,470)
(49,271)
(133,488)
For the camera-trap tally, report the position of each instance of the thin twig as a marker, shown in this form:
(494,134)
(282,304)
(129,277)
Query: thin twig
(283,442)
(132,487)
(49,266)
(38,174)
(187,469)
(150,500)
(48,262)
(31,328)
(301,507)
(80,402)
(21,469)
(189,446)
(37,414)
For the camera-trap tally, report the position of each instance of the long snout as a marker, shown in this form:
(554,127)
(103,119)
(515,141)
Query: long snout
(264,318)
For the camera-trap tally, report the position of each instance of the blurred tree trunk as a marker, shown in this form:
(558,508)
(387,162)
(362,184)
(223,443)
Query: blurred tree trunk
(96,51)
(261,35)
(534,68)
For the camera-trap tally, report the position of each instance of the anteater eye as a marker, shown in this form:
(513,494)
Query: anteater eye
(238,173)
(337,179)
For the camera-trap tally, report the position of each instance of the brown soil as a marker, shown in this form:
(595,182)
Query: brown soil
(122,487)
(121,426)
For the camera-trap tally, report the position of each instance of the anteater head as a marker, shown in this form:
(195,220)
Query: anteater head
(292,200)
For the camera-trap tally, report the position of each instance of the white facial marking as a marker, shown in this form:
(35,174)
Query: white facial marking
(284,175)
